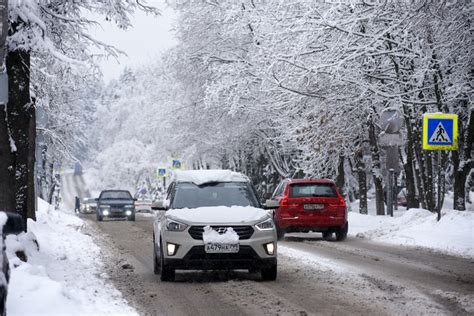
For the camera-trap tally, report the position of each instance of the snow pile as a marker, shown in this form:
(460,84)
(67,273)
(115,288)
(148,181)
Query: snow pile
(218,214)
(62,277)
(199,177)
(312,259)
(453,234)
(212,236)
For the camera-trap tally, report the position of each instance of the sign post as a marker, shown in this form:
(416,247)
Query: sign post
(391,138)
(162,173)
(440,132)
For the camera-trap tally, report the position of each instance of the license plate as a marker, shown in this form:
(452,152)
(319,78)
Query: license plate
(221,248)
(313,206)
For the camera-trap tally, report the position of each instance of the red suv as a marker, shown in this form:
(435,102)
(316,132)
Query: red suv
(310,205)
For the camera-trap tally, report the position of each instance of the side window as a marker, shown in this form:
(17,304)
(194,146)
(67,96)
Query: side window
(279,189)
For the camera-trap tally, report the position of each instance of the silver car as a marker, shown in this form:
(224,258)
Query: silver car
(213,221)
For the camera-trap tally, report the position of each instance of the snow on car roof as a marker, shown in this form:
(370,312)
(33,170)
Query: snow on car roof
(199,177)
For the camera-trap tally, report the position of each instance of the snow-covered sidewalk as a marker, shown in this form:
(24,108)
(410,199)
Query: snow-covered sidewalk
(63,277)
(453,234)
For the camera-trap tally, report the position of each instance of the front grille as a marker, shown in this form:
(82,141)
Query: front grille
(198,253)
(244,232)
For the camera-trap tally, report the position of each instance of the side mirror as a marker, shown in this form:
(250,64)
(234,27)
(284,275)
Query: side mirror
(14,224)
(158,206)
(271,204)
(135,199)
(267,196)
(96,199)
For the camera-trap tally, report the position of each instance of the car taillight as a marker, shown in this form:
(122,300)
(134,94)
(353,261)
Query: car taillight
(286,202)
(339,203)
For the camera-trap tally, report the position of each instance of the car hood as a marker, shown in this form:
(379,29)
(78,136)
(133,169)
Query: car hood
(233,215)
(116,202)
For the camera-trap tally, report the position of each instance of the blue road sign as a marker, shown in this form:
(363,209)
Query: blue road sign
(176,164)
(440,131)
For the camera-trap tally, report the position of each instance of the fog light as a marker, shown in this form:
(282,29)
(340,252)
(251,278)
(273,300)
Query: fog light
(172,249)
(128,213)
(270,248)
(105,213)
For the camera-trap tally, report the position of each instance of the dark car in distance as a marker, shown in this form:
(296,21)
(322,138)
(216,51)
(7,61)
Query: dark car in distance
(115,204)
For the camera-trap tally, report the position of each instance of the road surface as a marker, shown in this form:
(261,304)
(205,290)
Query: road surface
(315,277)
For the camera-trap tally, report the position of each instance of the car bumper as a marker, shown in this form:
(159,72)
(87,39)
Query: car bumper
(117,214)
(198,259)
(311,223)
(190,253)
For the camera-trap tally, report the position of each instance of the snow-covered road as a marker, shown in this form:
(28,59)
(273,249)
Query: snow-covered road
(315,277)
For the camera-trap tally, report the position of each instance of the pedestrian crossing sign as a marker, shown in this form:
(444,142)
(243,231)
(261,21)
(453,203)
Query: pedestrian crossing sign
(440,131)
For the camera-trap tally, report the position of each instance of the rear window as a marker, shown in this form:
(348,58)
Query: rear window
(313,190)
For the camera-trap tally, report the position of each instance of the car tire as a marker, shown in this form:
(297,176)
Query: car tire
(156,263)
(341,233)
(269,274)
(327,235)
(99,218)
(132,217)
(167,273)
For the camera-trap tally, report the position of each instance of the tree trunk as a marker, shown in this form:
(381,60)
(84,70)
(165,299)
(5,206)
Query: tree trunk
(20,112)
(362,177)
(7,169)
(430,196)
(31,203)
(409,164)
(340,180)
(376,169)
(412,201)
(462,168)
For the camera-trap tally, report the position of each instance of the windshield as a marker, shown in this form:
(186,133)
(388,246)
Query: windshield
(312,190)
(189,195)
(116,195)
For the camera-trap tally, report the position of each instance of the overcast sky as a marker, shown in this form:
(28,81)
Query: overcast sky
(149,37)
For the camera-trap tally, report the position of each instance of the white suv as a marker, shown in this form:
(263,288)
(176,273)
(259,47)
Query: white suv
(213,221)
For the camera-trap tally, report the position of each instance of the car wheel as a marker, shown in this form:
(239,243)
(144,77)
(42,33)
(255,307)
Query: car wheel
(156,263)
(132,217)
(99,218)
(341,233)
(269,274)
(327,235)
(167,273)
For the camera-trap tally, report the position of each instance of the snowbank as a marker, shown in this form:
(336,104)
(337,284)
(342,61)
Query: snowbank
(453,234)
(199,177)
(63,276)
(218,214)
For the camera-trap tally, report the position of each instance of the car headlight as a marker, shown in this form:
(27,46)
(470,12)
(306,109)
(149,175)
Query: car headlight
(128,207)
(105,207)
(265,225)
(175,226)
